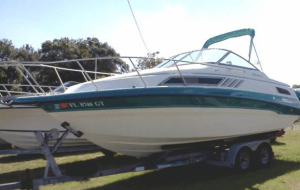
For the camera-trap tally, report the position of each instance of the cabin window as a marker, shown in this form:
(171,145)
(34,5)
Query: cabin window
(195,80)
(283,91)
(209,80)
(174,81)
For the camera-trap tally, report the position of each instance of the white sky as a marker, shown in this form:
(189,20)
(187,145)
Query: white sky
(170,27)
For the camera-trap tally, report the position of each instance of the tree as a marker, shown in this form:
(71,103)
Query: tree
(67,49)
(27,53)
(296,86)
(150,62)
(9,75)
(57,50)
(7,50)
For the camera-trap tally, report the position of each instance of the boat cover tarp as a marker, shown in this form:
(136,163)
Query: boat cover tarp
(228,35)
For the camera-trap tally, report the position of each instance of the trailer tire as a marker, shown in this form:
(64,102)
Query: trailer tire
(264,155)
(244,159)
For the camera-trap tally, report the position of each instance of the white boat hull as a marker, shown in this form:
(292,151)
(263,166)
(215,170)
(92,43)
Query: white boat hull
(18,126)
(142,132)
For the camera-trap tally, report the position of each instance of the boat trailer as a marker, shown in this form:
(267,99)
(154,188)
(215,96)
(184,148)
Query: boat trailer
(240,155)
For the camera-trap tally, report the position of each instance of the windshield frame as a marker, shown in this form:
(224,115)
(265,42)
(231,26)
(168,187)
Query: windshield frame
(186,54)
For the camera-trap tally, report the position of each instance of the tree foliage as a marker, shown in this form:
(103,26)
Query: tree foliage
(7,50)
(296,86)
(150,62)
(9,53)
(27,53)
(68,49)
(57,50)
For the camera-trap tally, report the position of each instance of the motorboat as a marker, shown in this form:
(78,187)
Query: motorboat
(205,95)
(18,124)
(18,129)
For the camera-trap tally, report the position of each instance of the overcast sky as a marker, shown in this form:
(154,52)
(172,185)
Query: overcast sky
(169,27)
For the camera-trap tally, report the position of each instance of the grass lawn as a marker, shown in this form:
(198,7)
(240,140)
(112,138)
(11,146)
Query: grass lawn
(284,172)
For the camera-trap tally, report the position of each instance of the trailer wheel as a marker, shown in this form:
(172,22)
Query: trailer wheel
(244,159)
(264,155)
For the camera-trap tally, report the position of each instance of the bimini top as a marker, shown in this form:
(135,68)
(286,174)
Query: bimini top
(233,34)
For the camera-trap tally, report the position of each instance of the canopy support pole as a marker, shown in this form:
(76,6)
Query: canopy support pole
(250,49)
(95,69)
(257,58)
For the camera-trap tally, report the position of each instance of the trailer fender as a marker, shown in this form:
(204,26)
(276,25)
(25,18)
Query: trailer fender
(234,149)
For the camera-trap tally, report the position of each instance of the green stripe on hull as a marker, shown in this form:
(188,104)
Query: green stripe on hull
(165,97)
(164,101)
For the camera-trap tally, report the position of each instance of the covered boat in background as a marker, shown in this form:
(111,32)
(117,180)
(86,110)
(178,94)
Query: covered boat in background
(18,123)
(297,91)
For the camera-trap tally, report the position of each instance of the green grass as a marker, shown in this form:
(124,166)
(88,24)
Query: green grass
(284,172)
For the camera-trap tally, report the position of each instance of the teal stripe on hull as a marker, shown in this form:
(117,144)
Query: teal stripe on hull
(135,102)
(165,97)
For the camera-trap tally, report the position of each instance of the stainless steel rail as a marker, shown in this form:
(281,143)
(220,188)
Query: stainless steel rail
(22,68)
(88,76)
(26,63)
(138,73)
(28,73)
(6,90)
(18,69)
(60,79)
(18,92)
(26,85)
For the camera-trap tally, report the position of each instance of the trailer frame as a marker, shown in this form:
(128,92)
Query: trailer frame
(223,157)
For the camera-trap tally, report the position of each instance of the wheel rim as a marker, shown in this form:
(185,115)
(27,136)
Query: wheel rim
(244,160)
(264,155)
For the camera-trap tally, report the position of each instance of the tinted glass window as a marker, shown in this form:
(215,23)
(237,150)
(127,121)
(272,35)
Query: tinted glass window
(209,80)
(66,84)
(195,80)
(174,80)
(283,91)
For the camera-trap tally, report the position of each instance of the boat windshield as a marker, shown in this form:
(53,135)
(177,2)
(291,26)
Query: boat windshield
(61,89)
(208,56)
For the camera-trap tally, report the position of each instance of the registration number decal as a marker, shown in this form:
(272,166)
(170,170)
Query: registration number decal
(79,105)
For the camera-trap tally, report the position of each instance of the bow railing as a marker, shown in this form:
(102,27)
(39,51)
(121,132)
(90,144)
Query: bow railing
(34,87)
